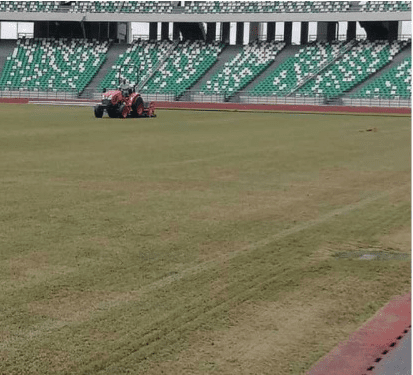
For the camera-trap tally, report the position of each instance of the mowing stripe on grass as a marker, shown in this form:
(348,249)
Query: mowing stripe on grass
(195,269)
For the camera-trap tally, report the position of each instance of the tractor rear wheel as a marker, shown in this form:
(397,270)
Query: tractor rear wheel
(138,107)
(98,111)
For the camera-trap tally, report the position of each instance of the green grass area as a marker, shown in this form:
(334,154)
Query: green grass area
(195,242)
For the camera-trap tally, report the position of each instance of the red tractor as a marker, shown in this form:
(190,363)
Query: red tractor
(123,103)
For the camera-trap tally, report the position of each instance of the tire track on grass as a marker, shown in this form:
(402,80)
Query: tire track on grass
(194,269)
(154,340)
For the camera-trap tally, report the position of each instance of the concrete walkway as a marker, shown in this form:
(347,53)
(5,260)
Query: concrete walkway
(397,361)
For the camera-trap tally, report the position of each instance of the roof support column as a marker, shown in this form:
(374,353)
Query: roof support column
(240,33)
(225,32)
(270,31)
(211,31)
(322,31)
(304,33)
(165,30)
(288,32)
(393,30)
(351,30)
(332,30)
(254,31)
(153,30)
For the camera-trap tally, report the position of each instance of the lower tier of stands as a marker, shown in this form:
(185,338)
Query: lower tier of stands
(318,72)
(59,64)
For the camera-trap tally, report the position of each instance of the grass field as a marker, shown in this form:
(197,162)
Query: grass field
(195,242)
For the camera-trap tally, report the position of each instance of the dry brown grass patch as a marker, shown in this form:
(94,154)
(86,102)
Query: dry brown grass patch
(399,239)
(78,305)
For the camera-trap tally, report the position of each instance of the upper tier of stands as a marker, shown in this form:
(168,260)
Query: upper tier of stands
(53,64)
(395,83)
(243,68)
(140,58)
(266,6)
(290,73)
(29,6)
(205,6)
(122,7)
(356,65)
(386,6)
(188,62)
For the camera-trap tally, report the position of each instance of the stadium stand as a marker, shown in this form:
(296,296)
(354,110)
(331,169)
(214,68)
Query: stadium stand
(122,7)
(142,55)
(266,6)
(396,83)
(289,74)
(186,64)
(318,70)
(205,6)
(386,6)
(28,6)
(356,65)
(146,6)
(243,68)
(53,64)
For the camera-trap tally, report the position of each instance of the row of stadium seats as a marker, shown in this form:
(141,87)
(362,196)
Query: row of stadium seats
(356,65)
(289,74)
(243,68)
(266,6)
(53,64)
(121,7)
(142,56)
(204,6)
(184,67)
(395,83)
(386,6)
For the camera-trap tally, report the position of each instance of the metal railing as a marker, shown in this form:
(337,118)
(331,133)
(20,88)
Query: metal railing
(24,92)
(375,101)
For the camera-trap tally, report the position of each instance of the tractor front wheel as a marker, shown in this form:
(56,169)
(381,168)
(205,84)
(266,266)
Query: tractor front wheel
(98,111)
(113,112)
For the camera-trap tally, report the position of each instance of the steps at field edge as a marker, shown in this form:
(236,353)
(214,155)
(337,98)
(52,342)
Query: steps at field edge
(6,49)
(287,52)
(227,54)
(396,61)
(113,53)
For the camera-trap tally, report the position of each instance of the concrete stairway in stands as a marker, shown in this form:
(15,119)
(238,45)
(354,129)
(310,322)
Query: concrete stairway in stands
(6,49)
(396,61)
(113,53)
(286,53)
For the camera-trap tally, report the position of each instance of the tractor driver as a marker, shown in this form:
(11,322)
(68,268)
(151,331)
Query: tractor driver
(125,88)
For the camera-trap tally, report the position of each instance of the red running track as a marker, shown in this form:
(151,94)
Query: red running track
(380,334)
(282,108)
(247,107)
